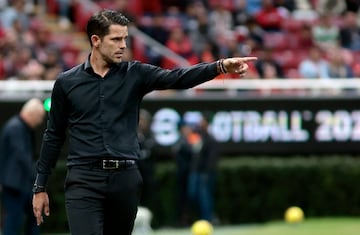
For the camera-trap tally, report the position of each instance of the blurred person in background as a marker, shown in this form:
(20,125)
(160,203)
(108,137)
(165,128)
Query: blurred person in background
(337,65)
(314,65)
(17,158)
(221,26)
(64,12)
(180,43)
(199,31)
(334,7)
(183,153)
(349,35)
(240,14)
(203,169)
(54,64)
(253,6)
(325,33)
(304,36)
(15,11)
(267,66)
(43,41)
(269,17)
(157,31)
(149,196)
(352,5)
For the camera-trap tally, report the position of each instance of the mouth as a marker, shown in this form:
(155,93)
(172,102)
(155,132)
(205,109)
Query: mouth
(119,55)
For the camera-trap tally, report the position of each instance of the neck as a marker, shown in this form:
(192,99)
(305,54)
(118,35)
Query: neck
(98,64)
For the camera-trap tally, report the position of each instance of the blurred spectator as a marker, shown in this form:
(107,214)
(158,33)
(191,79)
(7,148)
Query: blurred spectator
(3,4)
(209,52)
(180,4)
(253,6)
(221,22)
(267,66)
(53,64)
(304,36)
(334,7)
(356,69)
(2,69)
(43,41)
(350,32)
(314,65)
(149,195)
(32,71)
(157,31)
(203,170)
(127,7)
(198,27)
(64,12)
(133,8)
(233,48)
(269,17)
(17,159)
(183,153)
(16,59)
(240,13)
(179,43)
(337,66)
(289,5)
(17,35)
(255,35)
(352,5)
(174,17)
(325,33)
(15,11)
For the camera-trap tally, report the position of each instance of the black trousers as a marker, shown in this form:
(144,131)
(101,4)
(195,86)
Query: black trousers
(102,202)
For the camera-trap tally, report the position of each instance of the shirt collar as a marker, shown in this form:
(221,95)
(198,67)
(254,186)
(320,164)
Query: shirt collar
(88,67)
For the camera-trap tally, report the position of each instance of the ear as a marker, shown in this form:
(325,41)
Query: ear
(95,40)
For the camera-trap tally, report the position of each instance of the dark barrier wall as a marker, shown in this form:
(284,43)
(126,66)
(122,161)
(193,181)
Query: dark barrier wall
(257,125)
(266,126)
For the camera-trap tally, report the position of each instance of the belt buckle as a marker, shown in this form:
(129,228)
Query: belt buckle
(110,164)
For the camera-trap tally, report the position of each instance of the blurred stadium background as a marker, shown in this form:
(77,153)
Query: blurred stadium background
(295,116)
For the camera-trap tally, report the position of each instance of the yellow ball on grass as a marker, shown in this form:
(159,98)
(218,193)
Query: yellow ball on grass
(294,214)
(202,227)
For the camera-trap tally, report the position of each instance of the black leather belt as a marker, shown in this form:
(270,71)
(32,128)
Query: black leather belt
(113,164)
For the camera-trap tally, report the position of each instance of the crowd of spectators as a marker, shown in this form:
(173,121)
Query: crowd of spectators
(292,38)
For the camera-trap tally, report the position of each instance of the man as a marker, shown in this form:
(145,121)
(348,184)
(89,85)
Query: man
(203,169)
(17,168)
(98,102)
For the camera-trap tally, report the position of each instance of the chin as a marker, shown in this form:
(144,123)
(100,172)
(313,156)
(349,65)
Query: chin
(118,60)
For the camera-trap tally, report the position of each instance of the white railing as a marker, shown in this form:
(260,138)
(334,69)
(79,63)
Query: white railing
(10,88)
(30,85)
(282,84)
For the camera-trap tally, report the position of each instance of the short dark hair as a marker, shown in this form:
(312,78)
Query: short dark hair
(100,22)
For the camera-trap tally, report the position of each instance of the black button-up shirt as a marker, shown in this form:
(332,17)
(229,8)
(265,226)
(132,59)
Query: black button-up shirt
(101,114)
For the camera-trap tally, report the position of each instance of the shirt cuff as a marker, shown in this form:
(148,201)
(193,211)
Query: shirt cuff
(41,180)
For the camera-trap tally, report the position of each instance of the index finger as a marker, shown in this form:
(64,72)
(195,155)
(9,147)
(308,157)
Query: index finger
(248,58)
(38,215)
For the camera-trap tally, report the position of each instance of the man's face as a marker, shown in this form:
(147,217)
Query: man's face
(112,46)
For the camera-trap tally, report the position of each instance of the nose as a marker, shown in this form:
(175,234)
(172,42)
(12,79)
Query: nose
(123,44)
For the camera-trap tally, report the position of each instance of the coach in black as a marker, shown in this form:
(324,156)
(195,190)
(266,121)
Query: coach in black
(98,103)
